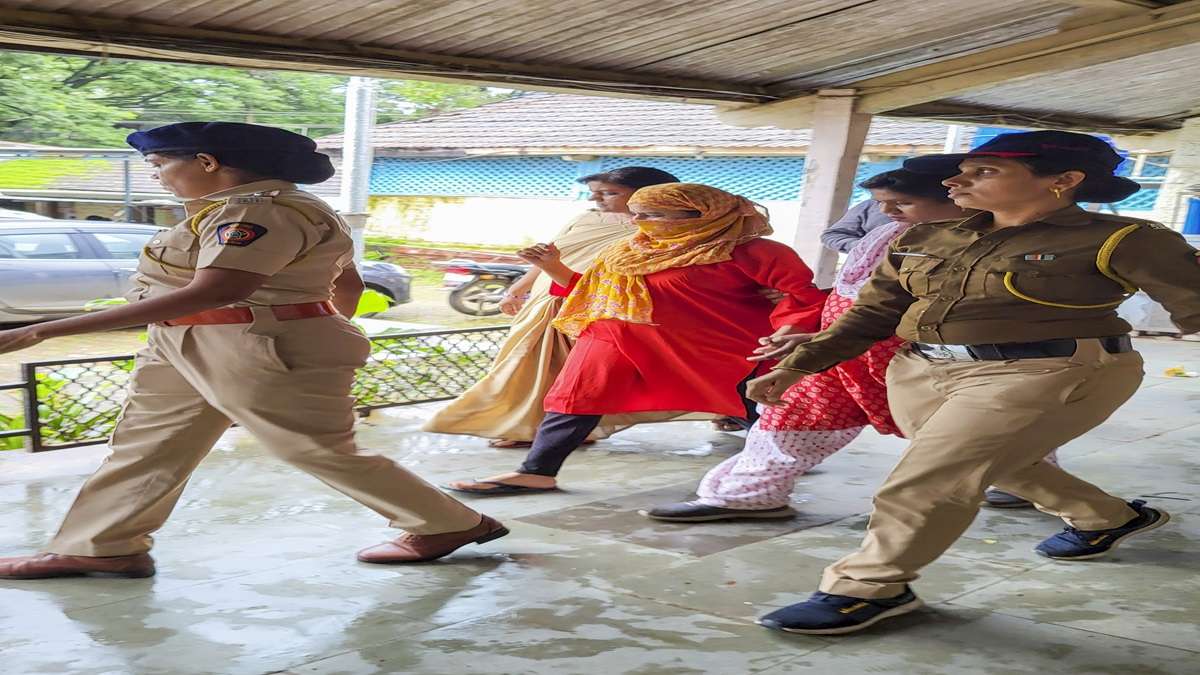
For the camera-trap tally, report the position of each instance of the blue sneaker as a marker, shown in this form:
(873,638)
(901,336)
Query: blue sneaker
(1073,544)
(825,614)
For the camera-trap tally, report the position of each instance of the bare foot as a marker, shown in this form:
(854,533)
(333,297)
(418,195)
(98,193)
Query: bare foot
(511,478)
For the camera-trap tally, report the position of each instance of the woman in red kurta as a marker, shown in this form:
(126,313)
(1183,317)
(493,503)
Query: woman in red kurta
(663,320)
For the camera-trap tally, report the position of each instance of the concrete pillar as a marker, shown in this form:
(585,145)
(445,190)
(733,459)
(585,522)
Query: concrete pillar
(358,231)
(1183,177)
(954,139)
(357,156)
(838,134)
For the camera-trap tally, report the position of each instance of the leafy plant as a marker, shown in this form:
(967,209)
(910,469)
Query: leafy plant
(372,302)
(104,303)
(12,423)
(80,405)
(81,101)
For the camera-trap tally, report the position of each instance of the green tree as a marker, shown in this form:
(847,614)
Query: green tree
(77,101)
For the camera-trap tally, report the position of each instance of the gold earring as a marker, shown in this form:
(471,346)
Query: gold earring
(1057,193)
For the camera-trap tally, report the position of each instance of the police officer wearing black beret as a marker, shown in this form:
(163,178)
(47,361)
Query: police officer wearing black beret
(1016,349)
(247,302)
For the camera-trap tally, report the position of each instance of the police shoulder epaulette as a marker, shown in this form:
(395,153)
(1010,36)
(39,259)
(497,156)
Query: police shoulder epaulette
(250,199)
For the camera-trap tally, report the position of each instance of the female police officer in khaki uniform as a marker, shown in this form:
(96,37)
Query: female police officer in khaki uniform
(1016,349)
(247,302)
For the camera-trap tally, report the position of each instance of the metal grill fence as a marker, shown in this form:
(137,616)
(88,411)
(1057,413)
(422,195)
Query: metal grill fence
(76,402)
(761,178)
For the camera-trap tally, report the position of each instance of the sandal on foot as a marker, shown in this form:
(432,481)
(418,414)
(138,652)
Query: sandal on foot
(508,445)
(502,443)
(498,489)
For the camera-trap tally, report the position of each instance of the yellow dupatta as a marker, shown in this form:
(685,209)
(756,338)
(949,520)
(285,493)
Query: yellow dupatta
(614,287)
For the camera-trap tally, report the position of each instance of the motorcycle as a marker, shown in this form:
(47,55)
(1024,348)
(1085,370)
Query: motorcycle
(478,288)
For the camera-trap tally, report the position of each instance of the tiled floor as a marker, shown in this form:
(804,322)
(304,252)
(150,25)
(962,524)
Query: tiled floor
(256,569)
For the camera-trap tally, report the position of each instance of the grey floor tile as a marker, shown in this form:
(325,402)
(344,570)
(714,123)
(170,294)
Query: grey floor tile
(623,635)
(953,641)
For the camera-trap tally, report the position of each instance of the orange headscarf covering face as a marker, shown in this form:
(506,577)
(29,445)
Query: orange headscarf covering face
(615,286)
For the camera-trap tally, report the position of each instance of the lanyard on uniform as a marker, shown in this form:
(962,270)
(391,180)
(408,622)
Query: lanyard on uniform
(1103,260)
(192,224)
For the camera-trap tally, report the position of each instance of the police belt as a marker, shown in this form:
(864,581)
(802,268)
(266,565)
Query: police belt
(1010,351)
(227,315)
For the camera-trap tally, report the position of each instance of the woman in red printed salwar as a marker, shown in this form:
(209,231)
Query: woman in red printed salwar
(824,412)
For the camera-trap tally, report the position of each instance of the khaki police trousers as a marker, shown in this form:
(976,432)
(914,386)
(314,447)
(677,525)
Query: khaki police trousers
(978,423)
(285,382)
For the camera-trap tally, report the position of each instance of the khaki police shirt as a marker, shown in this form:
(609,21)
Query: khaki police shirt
(266,227)
(944,283)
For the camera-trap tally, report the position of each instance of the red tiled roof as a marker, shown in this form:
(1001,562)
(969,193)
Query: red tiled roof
(542,120)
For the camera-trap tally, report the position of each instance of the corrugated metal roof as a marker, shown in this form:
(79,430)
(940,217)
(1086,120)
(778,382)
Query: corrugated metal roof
(742,51)
(565,122)
(749,41)
(1137,89)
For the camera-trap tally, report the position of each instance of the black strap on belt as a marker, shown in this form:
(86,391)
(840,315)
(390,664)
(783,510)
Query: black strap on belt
(1009,351)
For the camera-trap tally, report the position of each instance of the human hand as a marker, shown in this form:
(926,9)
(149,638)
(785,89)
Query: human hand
(768,389)
(540,255)
(779,344)
(773,294)
(510,304)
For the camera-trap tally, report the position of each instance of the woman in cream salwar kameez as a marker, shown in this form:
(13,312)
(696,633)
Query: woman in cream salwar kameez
(506,405)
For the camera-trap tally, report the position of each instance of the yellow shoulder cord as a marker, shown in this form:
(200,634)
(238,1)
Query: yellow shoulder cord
(1103,258)
(193,225)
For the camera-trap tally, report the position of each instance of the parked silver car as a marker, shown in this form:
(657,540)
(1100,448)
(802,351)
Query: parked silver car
(53,268)
(15,214)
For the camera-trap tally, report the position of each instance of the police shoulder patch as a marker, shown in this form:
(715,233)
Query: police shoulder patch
(239,234)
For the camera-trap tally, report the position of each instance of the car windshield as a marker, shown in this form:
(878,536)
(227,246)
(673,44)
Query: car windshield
(126,245)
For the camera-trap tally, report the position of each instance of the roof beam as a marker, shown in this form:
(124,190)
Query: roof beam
(1115,5)
(1095,11)
(1122,37)
(988,116)
(62,32)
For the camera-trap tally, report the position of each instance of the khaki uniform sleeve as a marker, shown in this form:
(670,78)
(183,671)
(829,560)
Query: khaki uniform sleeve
(253,235)
(880,305)
(1159,261)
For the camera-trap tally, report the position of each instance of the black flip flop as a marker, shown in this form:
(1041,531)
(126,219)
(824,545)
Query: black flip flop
(511,445)
(500,489)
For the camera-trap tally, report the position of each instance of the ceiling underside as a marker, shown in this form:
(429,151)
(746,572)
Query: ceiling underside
(1116,65)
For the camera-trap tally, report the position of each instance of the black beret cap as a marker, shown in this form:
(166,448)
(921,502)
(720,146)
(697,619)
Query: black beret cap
(271,151)
(1069,149)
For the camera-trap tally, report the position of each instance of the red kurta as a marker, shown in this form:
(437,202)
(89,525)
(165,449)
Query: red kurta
(708,319)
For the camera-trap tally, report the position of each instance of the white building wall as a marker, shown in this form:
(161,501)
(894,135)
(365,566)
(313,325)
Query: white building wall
(499,221)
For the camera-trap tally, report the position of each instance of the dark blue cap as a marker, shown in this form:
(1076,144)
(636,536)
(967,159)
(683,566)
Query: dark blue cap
(272,152)
(1062,149)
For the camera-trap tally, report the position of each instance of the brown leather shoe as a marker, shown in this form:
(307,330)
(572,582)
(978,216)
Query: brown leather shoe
(410,548)
(51,565)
